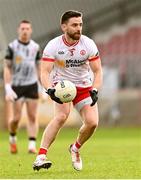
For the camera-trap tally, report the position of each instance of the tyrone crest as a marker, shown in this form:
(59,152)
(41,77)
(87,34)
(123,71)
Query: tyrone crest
(83,52)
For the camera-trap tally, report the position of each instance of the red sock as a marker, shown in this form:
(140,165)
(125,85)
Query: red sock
(42,151)
(76,146)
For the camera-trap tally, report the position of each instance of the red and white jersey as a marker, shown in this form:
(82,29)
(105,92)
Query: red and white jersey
(71,62)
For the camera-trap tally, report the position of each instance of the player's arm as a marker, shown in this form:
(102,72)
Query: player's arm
(38,68)
(42,93)
(46,68)
(97,71)
(10,94)
(47,64)
(8,65)
(7,73)
(96,68)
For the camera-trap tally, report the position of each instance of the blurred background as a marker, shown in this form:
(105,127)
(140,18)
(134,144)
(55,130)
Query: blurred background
(115,26)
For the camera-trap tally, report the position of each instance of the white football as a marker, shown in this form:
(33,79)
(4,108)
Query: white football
(65,91)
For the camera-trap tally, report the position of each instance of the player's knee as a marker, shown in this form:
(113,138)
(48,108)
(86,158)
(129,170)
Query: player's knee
(14,122)
(92,124)
(62,118)
(32,118)
(17,117)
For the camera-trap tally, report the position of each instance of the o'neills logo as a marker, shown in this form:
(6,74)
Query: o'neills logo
(61,52)
(66,95)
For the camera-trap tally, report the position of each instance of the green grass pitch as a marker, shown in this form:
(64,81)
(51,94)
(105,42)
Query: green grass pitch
(111,153)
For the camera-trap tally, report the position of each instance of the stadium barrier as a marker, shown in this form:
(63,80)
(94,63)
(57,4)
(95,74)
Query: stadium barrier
(129,103)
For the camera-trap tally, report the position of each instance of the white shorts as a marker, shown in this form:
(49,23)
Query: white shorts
(82,98)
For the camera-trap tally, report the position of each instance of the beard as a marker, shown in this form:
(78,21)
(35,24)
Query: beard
(74,36)
(25,37)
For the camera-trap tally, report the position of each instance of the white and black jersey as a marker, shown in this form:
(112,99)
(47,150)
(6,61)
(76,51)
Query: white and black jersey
(24,58)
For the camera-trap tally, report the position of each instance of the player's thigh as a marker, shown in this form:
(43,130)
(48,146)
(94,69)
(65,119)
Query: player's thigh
(62,109)
(89,114)
(31,107)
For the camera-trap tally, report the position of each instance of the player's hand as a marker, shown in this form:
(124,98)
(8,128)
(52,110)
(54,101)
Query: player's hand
(42,93)
(51,93)
(94,96)
(43,96)
(10,93)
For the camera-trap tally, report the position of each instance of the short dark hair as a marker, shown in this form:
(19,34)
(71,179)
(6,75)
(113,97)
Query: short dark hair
(69,14)
(25,21)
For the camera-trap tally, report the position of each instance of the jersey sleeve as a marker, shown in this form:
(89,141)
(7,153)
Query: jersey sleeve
(49,52)
(9,53)
(93,51)
(38,55)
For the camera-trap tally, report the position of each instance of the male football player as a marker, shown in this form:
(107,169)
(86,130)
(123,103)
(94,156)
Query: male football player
(21,68)
(70,56)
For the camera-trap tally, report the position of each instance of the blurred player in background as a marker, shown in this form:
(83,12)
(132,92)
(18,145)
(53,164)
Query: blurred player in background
(21,72)
(71,56)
